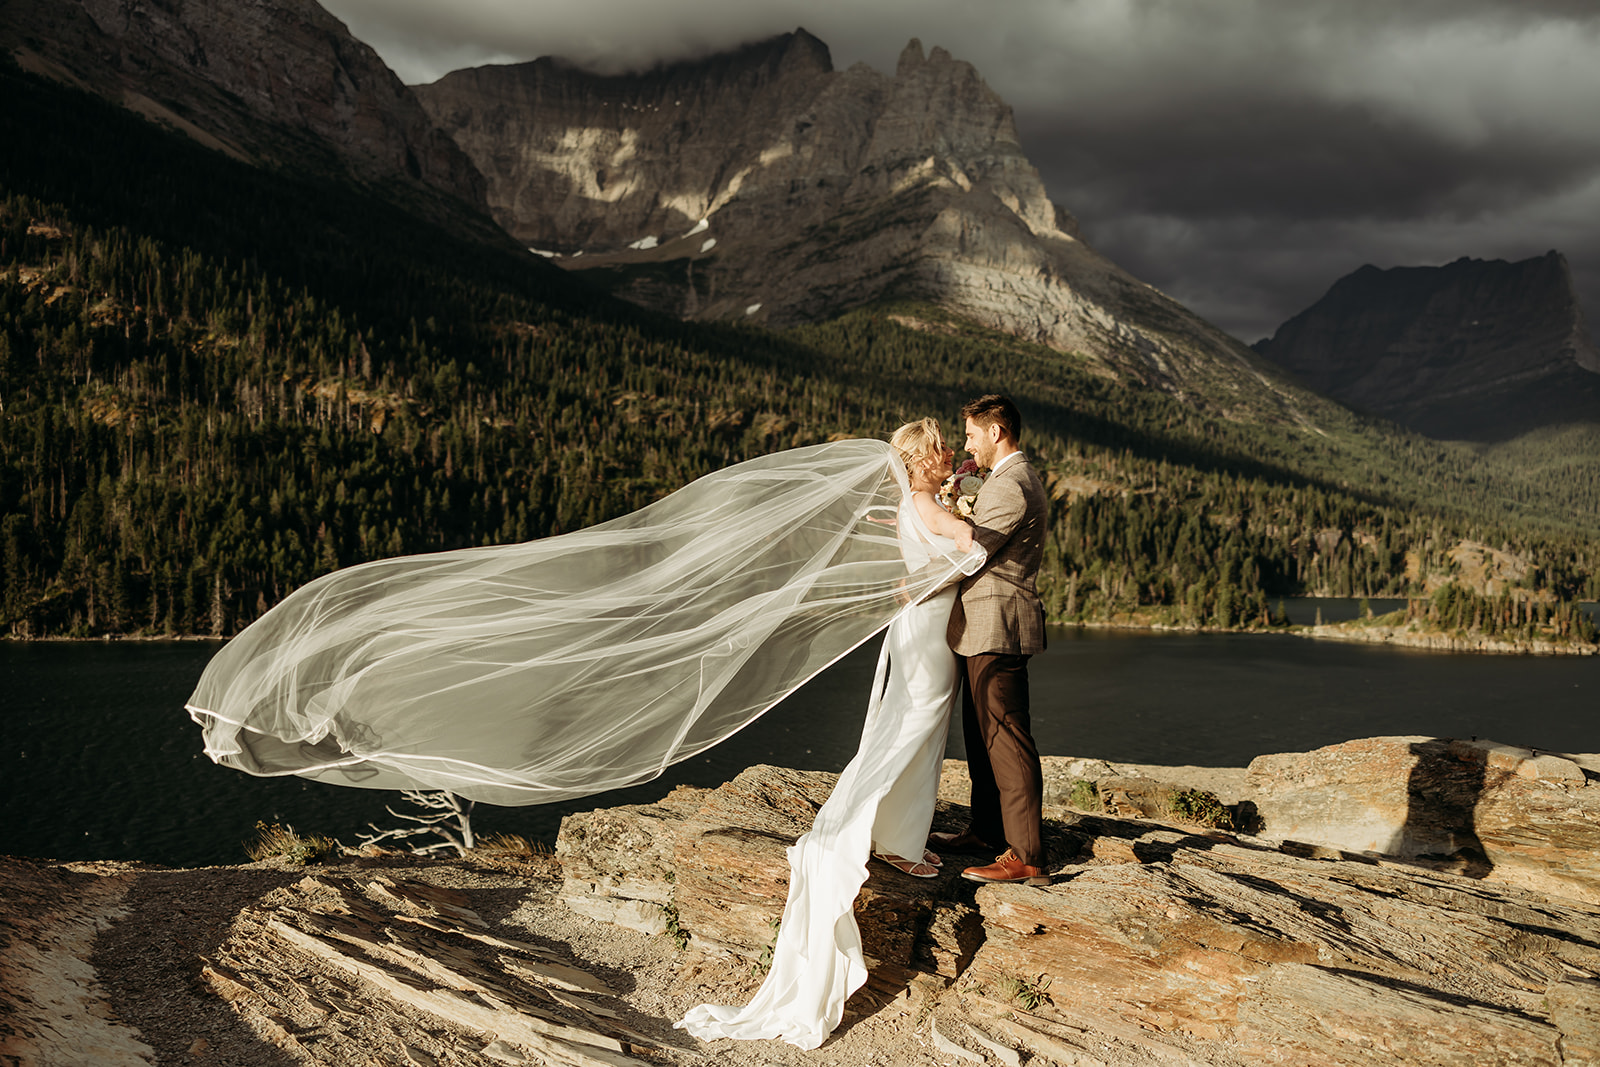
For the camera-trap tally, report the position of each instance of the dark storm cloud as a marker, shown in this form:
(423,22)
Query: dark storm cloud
(1242,165)
(1250,222)
(1240,154)
(1207,163)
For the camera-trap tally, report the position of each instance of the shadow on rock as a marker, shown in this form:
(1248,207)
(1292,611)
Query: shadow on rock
(1442,799)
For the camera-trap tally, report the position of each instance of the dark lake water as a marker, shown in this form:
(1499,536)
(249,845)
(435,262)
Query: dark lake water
(100,761)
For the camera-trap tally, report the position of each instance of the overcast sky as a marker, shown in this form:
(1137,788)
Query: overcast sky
(1241,155)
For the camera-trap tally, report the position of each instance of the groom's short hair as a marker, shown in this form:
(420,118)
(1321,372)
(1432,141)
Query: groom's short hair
(994,408)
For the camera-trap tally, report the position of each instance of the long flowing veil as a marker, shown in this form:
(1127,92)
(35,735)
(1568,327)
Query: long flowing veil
(526,673)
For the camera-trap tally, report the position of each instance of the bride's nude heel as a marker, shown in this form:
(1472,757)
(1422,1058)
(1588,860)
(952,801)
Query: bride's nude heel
(915,868)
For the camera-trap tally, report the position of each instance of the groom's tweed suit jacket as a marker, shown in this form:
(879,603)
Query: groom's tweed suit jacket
(998,609)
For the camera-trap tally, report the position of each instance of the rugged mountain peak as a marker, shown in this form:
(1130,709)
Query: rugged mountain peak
(275,82)
(911,58)
(762,183)
(804,53)
(1478,349)
(941,107)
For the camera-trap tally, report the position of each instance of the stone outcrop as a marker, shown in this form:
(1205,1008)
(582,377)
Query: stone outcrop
(1476,349)
(1158,941)
(763,184)
(1497,812)
(712,864)
(366,964)
(1402,901)
(1223,953)
(281,84)
(325,934)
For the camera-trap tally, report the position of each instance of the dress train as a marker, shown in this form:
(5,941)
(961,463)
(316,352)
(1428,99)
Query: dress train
(885,799)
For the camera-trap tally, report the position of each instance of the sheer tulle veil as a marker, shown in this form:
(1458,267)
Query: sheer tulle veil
(519,674)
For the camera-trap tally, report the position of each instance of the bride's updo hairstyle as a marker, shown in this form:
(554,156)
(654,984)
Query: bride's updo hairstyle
(917,441)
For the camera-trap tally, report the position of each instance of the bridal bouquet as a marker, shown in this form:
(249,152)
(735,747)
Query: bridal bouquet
(960,491)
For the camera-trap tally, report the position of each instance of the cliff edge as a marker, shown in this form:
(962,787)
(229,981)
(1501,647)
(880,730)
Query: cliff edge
(1390,901)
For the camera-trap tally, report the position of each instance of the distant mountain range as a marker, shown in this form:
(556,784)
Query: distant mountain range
(762,184)
(291,337)
(1479,350)
(280,84)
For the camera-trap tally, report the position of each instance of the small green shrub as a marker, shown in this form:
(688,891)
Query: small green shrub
(1085,795)
(1201,808)
(763,962)
(277,839)
(675,930)
(1028,992)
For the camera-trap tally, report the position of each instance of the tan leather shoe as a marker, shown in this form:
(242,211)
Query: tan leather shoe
(1007,868)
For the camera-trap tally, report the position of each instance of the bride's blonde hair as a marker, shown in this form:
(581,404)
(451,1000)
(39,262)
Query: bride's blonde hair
(916,441)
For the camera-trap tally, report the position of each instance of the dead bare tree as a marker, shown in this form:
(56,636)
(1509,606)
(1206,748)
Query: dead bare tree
(443,813)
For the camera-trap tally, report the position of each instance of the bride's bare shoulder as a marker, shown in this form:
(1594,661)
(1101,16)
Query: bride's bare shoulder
(925,504)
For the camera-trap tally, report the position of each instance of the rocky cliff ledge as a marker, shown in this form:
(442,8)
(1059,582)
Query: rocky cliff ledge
(1393,901)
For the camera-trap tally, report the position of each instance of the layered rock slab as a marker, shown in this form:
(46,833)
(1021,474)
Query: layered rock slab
(1230,953)
(1499,812)
(53,1010)
(712,867)
(1158,942)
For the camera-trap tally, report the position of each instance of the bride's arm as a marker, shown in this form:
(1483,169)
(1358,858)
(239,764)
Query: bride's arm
(941,521)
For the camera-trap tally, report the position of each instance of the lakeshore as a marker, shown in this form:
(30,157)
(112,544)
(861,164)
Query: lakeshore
(1379,633)
(1377,630)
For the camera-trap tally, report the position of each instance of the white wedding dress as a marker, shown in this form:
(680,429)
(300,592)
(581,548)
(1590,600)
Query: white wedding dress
(884,799)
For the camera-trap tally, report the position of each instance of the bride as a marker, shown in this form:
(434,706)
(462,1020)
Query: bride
(589,661)
(883,802)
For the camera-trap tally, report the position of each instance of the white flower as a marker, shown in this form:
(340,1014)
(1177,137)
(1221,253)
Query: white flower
(970,485)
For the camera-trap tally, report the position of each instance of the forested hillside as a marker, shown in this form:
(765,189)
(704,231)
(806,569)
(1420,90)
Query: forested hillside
(218,383)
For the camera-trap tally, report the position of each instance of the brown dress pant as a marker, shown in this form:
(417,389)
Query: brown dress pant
(1002,759)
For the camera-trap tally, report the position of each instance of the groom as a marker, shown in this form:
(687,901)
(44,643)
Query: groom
(997,623)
